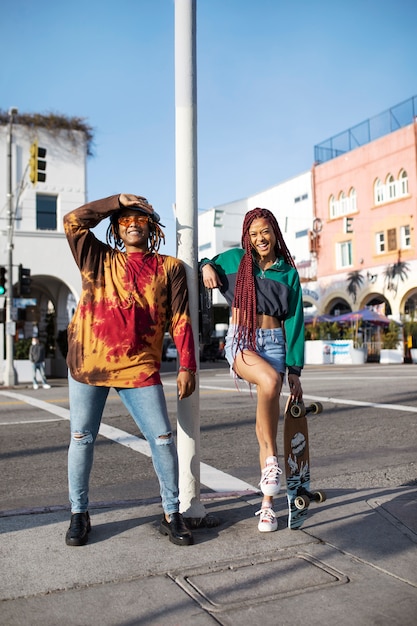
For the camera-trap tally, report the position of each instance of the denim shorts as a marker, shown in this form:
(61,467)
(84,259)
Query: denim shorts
(270,345)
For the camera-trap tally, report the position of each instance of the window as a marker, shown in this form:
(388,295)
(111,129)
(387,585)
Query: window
(300,198)
(380,242)
(405,237)
(344,204)
(392,239)
(403,183)
(391,186)
(301,233)
(344,254)
(392,189)
(46,212)
(352,200)
(378,192)
(332,207)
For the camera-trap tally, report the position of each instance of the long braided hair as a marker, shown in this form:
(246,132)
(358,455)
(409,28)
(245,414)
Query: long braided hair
(244,300)
(156,234)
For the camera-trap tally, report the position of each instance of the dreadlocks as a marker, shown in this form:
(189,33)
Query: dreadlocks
(245,295)
(156,234)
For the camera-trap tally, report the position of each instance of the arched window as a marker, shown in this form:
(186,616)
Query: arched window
(403,183)
(342,203)
(332,207)
(378,192)
(391,186)
(352,200)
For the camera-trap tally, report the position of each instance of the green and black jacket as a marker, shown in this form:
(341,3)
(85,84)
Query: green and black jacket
(278,293)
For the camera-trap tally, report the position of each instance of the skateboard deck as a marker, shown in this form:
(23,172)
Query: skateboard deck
(297,461)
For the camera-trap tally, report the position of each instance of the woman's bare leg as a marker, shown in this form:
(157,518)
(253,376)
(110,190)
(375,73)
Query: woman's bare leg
(255,370)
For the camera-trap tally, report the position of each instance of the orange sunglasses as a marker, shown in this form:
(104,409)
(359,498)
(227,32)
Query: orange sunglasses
(136,219)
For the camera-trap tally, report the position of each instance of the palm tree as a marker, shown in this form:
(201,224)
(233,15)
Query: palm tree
(354,282)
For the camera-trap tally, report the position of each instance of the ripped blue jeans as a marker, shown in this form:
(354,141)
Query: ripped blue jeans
(147,406)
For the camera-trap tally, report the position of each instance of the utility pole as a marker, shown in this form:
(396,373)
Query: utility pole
(10,376)
(188,429)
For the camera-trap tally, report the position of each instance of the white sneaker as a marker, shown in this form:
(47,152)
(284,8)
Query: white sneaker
(270,480)
(46,386)
(35,386)
(267,521)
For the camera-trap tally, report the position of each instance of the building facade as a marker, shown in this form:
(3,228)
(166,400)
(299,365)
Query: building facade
(291,202)
(350,223)
(365,209)
(36,235)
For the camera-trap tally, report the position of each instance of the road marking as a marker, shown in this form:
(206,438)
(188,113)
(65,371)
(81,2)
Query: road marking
(40,404)
(20,422)
(212,478)
(375,405)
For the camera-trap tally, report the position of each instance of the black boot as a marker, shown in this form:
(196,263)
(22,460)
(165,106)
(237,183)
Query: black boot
(77,533)
(176,530)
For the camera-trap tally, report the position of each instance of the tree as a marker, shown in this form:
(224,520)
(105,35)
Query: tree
(54,123)
(390,338)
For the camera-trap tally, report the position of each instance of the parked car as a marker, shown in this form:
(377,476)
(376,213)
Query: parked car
(213,351)
(171,352)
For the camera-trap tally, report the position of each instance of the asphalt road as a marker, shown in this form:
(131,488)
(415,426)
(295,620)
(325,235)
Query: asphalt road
(366,436)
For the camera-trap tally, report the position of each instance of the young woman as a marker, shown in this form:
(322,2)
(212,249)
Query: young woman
(129,294)
(266,335)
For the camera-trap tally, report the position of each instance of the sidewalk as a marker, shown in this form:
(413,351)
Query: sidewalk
(354,562)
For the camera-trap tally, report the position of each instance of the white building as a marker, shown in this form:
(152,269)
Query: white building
(291,202)
(38,239)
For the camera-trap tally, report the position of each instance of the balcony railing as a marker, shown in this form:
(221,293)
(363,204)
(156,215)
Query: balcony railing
(373,128)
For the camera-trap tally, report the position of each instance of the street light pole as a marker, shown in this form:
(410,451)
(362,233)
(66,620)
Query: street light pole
(188,425)
(10,377)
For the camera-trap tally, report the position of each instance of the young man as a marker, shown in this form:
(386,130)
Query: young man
(37,358)
(130,293)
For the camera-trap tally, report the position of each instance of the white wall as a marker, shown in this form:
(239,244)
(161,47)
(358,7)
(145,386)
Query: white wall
(293,218)
(45,252)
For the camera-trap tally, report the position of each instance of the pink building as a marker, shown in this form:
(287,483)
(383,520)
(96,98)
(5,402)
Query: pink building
(365,208)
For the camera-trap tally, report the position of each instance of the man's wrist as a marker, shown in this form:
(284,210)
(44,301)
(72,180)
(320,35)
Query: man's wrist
(182,368)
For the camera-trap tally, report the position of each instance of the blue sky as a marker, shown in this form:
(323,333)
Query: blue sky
(274,78)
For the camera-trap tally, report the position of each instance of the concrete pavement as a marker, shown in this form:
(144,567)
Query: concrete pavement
(354,562)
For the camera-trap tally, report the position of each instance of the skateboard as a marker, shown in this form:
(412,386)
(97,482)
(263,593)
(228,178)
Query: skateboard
(297,461)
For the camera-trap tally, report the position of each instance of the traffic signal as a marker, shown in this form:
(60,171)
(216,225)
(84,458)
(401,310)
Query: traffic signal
(3,281)
(25,281)
(37,163)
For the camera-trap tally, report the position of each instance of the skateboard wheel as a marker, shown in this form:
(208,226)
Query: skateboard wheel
(320,496)
(297,410)
(316,408)
(301,502)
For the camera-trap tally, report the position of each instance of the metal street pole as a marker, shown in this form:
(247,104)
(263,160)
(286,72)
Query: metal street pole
(10,376)
(188,429)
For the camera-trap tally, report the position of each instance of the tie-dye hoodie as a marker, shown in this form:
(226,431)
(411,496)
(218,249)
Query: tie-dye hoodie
(127,302)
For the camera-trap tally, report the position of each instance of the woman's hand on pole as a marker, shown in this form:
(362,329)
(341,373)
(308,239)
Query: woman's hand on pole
(211,278)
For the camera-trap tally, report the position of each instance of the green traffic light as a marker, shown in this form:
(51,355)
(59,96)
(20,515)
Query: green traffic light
(3,279)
